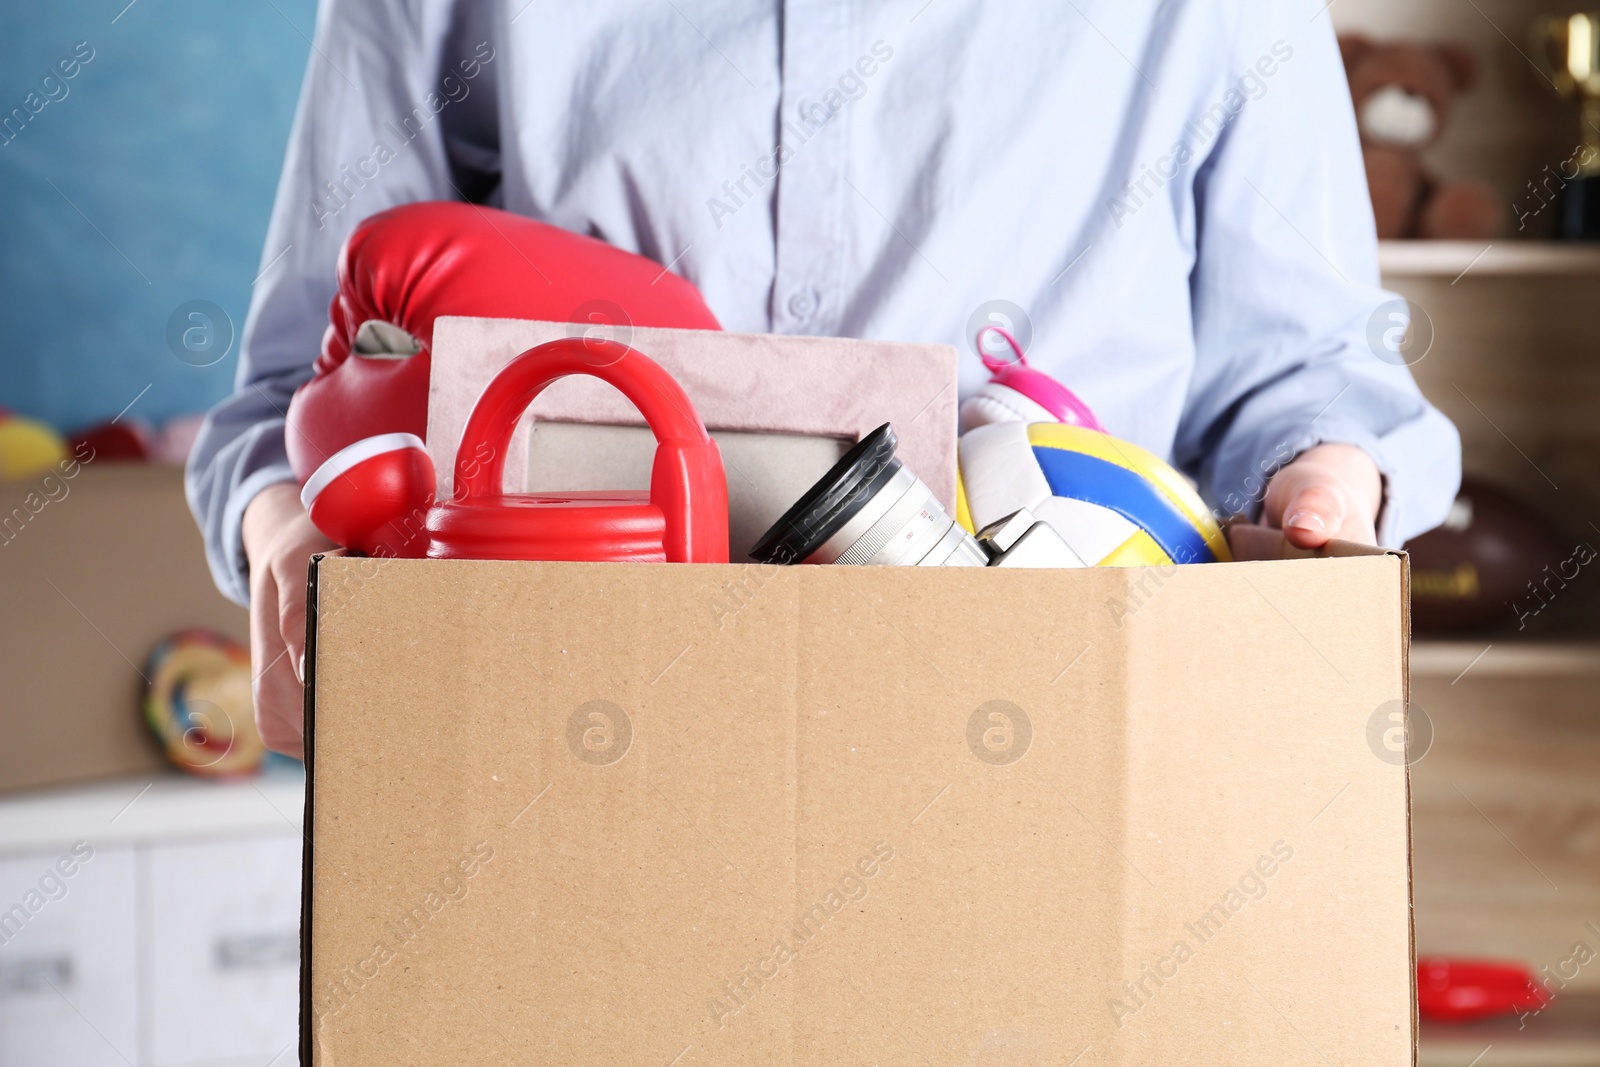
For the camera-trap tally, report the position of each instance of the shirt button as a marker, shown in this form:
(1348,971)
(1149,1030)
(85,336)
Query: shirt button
(803,304)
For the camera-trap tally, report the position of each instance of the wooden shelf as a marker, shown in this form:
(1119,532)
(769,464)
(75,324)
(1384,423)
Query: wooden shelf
(1504,659)
(165,805)
(1565,1034)
(1476,259)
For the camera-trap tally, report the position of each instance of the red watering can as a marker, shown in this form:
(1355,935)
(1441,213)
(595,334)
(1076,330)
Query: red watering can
(376,496)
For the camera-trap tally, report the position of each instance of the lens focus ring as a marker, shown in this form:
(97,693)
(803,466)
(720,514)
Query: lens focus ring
(903,526)
(869,510)
(903,534)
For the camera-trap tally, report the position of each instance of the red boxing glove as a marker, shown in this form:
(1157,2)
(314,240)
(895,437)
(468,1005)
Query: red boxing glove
(403,268)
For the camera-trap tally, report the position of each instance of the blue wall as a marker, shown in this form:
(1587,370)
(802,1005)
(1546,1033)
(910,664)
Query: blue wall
(168,143)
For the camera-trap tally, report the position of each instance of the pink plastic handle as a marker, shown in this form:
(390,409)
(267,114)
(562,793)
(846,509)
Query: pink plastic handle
(1035,385)
(994,364)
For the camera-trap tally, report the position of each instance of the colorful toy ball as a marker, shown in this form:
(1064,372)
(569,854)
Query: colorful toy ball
(1114,503)
(198,703)
(28,448)
(1019,393)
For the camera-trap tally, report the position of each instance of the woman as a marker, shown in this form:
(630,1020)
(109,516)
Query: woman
(1171,192)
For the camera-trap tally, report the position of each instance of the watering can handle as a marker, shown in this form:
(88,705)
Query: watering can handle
(686,481)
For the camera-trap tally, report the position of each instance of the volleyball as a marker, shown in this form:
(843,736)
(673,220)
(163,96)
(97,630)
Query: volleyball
(1116,504)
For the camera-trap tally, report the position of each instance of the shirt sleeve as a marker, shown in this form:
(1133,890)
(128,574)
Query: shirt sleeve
(1294,336)
(392,110)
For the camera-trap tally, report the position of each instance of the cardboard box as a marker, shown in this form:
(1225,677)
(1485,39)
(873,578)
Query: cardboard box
(96,568)
(689,815)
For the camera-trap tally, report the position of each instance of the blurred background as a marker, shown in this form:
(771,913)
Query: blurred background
(149,853)
(147,915)
(144,187)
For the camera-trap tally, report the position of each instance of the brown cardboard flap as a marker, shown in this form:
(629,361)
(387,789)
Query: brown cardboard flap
(1250,541)
(589,813)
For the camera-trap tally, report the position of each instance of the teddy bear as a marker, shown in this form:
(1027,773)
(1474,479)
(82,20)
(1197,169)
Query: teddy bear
(1403,92)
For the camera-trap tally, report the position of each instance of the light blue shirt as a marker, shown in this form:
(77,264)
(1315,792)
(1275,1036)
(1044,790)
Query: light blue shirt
(1171,194)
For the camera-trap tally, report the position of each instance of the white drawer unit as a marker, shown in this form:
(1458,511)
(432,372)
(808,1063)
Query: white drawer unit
(68,957)
(222,968)
(151,924)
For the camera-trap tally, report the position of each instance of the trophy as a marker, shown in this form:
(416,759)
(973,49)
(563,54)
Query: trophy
(1566,49)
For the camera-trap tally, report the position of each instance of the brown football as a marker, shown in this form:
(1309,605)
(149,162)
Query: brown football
(1473,571)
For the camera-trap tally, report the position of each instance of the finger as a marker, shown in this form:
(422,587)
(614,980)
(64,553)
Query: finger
(266,637)
(275,691)
(1280,492)
(292,622)
(279,700)
(1313,515)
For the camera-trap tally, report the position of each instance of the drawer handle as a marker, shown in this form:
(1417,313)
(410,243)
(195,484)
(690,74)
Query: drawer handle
(256,952)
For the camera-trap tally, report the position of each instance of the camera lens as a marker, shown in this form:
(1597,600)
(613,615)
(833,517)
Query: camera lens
(869,510)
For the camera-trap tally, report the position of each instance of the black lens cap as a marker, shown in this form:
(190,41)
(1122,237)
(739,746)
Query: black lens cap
(833,501)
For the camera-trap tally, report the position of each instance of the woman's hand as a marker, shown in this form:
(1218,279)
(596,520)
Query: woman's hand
(1327,492)
(279,540)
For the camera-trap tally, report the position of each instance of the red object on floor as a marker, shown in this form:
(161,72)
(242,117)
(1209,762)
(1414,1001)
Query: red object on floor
(1455,990)
(376,495)
(127,441)
(409,265)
